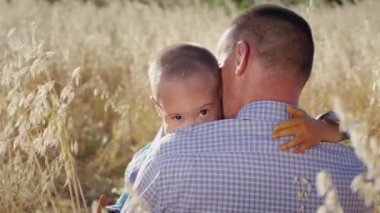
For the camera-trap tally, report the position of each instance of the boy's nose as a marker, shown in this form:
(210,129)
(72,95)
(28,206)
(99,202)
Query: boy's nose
(191,121)
(197,120)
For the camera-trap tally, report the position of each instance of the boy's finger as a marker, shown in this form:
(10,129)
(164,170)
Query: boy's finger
(103,200)
(286,124)
(294,111)
(102,203)
(291,131)
(291,144)
(301,148)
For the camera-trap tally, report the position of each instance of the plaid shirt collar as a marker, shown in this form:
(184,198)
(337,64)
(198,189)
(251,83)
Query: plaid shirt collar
(264,110)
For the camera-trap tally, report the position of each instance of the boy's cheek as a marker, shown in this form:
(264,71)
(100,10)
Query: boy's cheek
(220,114)
(169,127)
(215,117)
(217,114)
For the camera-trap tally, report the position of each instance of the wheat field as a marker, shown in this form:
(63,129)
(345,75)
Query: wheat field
(74,94)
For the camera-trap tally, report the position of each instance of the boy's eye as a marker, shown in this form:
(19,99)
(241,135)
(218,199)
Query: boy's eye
(177,117)
(204,111)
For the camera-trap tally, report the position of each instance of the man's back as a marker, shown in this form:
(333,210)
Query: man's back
(235,166)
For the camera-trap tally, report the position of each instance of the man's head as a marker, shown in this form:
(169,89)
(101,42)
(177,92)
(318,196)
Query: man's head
(185,83)
(267,53)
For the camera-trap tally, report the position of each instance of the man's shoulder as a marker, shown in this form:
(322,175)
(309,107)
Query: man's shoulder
(253,136)
(335,152)
(222,135)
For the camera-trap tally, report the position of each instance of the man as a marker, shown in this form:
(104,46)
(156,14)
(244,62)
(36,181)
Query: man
(234,165)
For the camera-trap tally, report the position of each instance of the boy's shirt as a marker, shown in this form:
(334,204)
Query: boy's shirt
(132,171)
(139,158)
(136,163)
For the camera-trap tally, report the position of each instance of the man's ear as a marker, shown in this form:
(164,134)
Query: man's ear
(156,106)
(242,55)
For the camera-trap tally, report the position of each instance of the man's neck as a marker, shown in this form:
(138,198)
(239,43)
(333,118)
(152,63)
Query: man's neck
(290,101)
(264,85)
(280,94)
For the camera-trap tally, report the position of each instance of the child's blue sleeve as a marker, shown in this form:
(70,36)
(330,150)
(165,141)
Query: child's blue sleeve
(132,171)
(130,175)
(116,208)
(332,117)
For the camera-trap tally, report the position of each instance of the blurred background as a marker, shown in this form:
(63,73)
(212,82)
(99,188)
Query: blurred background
(74,93)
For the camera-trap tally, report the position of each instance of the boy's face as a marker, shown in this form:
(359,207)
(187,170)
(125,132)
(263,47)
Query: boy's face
(192,100)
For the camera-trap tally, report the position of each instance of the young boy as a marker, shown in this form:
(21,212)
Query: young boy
(186,90)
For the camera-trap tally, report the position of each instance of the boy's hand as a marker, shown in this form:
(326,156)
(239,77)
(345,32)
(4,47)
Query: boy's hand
(101,203)
(305,129)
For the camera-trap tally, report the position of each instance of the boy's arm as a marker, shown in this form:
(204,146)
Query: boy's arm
(333,124)
(308,131)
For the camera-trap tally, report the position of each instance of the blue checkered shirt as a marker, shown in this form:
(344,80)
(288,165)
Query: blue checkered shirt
(234,165)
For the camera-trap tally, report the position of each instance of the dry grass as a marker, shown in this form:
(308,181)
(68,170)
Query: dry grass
(55,121)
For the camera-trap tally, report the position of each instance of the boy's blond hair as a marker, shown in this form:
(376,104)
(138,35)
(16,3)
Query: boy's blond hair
(181,61)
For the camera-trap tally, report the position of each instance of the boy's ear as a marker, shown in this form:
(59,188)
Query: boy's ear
(242,55)
(156,106)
